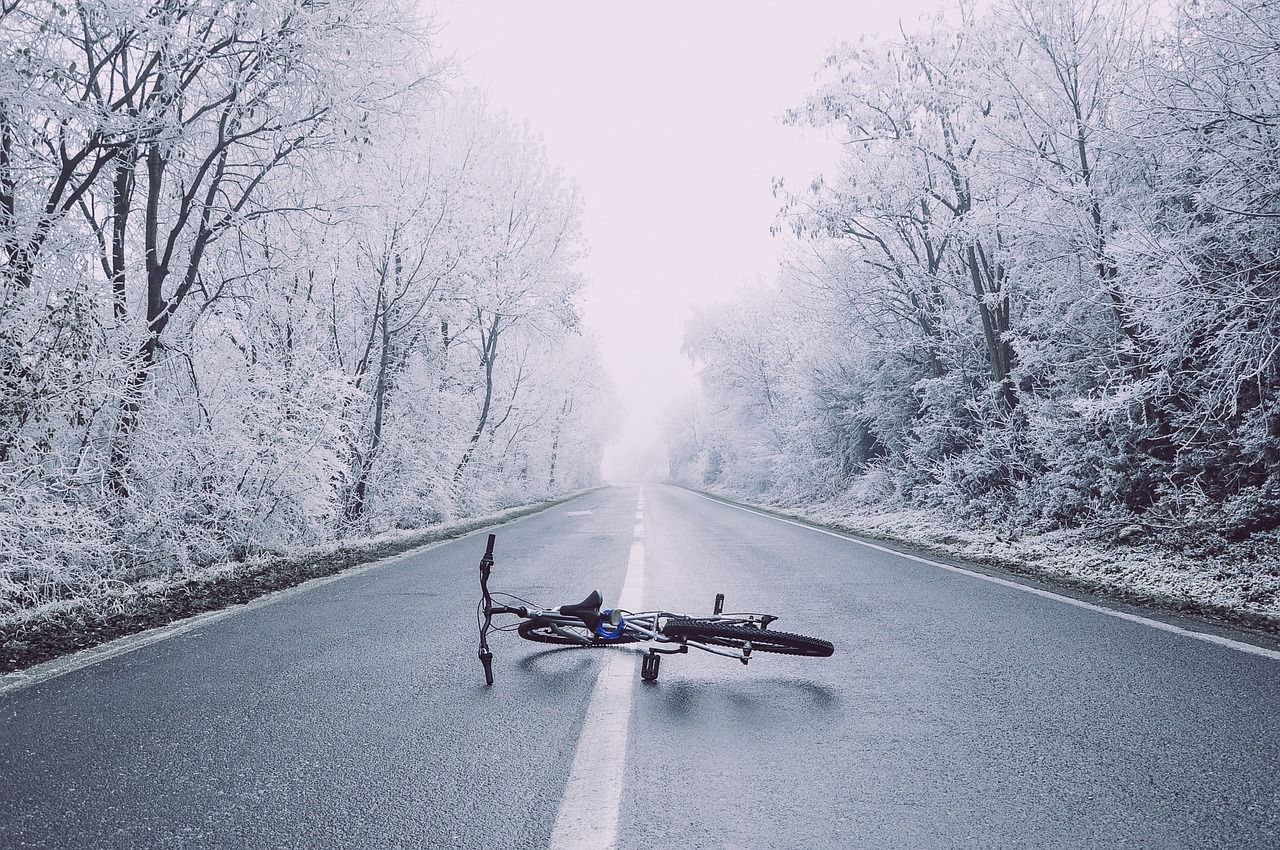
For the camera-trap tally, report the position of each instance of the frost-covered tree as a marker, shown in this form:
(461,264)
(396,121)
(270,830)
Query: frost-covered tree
(264,284)
(1040,286)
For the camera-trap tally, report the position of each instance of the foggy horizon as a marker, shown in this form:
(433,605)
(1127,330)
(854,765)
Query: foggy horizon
(675,159)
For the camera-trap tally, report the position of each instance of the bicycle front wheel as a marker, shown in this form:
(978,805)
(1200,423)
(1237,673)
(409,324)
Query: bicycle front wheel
(736,636)
(562,634)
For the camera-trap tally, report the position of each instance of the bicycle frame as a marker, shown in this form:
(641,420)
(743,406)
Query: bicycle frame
(647,625)
(635,626)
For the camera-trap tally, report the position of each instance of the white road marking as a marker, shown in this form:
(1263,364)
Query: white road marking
(16,681)
(588,816)
(1207,637)
(639,529)
(577,513)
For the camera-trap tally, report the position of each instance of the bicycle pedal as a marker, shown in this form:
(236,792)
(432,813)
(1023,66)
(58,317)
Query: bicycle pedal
(649,667)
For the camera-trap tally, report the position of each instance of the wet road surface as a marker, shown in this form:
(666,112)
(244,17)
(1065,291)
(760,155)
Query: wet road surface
(955,713)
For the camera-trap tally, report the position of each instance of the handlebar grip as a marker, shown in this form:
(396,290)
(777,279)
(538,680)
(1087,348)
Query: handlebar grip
(488,549)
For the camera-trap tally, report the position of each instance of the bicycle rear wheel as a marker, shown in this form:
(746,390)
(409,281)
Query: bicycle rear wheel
(761,640)
(544,631)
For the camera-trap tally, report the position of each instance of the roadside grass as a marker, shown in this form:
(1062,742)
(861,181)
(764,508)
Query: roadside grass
(30,636)
(1236,584)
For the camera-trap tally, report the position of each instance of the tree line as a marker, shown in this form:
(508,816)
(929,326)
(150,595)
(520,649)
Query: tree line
(268,278)
(1041,289)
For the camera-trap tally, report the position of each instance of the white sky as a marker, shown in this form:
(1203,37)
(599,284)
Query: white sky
(667,114)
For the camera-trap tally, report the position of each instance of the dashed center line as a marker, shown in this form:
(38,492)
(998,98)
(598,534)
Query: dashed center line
(588,816)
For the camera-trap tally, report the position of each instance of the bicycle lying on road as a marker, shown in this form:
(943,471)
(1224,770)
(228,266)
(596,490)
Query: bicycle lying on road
(586,624)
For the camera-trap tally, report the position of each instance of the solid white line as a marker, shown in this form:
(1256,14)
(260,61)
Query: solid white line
(10,682)
(1207,637)
(588,816)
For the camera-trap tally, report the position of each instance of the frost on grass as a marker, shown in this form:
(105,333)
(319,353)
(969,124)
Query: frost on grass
(33,634)
(1172,571)
(1163,568)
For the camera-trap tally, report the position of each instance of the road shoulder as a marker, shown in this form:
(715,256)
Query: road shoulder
(145,613)
(1185,613)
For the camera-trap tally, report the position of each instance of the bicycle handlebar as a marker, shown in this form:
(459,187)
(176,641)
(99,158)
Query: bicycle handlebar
(486,564)
(488,609)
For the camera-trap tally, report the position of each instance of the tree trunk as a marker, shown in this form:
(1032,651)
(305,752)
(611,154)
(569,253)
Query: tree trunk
(490,350)
(364,462)
(555,443)
(8,190)
(122,193)
(995,321)
(364,466)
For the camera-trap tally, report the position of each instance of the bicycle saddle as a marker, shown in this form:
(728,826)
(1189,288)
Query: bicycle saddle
(588,610)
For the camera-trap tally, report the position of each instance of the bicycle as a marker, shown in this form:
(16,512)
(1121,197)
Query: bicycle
(586,624)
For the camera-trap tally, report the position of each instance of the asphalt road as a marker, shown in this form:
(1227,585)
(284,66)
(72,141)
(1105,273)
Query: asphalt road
(955,713)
